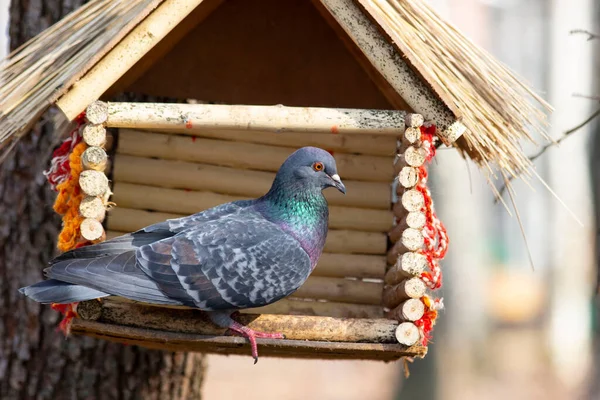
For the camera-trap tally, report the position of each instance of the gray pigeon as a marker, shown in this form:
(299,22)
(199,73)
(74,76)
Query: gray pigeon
(238,255)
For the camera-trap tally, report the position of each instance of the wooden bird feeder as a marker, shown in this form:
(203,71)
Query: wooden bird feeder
(364,79)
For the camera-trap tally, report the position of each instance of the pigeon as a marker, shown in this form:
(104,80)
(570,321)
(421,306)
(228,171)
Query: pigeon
(238,255)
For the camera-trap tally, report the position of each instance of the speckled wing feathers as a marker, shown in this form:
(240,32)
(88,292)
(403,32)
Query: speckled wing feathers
(238,261)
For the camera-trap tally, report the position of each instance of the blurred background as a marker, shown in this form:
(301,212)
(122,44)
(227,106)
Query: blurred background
(508,330)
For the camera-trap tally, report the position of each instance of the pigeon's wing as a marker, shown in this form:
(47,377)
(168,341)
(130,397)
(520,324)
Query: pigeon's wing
(177,225)
(153,233)
(241,261)
(117,275)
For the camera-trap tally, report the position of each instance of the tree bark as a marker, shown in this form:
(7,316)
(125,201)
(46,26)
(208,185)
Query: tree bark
(36,362)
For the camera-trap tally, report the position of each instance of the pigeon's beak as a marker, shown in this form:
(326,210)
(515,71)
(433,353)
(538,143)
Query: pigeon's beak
(337,182)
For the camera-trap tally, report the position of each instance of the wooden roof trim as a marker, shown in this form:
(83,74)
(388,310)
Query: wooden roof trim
(385,58)
(124,55)
(104,50)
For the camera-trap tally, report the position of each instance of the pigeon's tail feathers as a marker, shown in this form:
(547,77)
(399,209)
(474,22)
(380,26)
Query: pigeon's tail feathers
(55,291)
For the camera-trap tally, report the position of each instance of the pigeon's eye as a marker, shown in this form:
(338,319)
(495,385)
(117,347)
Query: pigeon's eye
(318,166)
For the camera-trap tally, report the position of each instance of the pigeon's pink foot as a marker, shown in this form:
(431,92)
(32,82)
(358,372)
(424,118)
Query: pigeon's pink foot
(224,320)
(252,335)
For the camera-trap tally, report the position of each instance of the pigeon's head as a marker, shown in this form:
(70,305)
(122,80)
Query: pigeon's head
(313,168)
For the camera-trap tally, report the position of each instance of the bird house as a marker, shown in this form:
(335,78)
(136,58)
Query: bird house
(236,86)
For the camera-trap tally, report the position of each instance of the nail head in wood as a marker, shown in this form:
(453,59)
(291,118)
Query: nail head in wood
(414,120)
(408,177)
(412,239)
(407,333)
(414,156)
(97,112)
(94,135)
(93,183)
(413,200)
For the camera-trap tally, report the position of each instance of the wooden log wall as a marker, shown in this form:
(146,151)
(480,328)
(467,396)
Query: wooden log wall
(170,173)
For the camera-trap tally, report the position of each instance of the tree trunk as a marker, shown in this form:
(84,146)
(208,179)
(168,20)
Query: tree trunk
(36,362)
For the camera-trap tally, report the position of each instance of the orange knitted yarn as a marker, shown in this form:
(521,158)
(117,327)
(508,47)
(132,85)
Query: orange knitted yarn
(68,200)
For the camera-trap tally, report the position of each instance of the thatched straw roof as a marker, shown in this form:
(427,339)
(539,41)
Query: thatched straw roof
(498,109)
(34,75)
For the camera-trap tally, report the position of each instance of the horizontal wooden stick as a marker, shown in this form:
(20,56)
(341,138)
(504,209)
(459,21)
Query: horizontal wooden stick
(341,290)
(413,288)
(294,306)
(338,241)
(262,118)
(293,327)
(186,342)
(409,310)
(414,120)
(376,145)
(236,182)
(415,220)
(412,200)
(94,135)
(96,113)
(350,265)
(407,334)
(186,202)
(92,207)
(408,176)
(410,241)
(244,155)
(93,183)
(408,266)
(95,158)
(412,157)
(92,230)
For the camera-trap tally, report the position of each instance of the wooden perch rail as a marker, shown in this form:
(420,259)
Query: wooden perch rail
(235,182)
(244,155)
(376,145)
(338,241)
(173,341)
(143,197)
(187,320)
(191,330)
(262,118)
